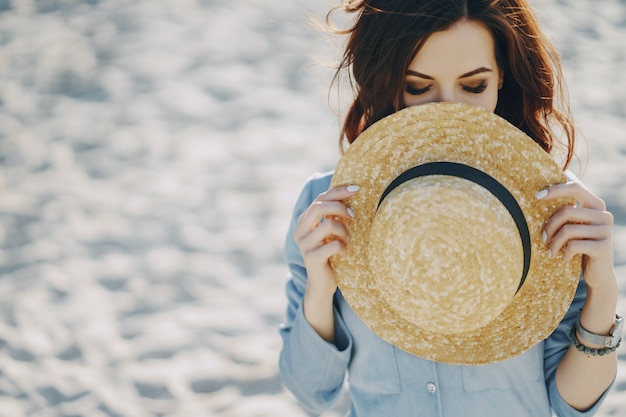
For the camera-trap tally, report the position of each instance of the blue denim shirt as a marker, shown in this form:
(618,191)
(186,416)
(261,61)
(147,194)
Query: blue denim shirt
(386,381)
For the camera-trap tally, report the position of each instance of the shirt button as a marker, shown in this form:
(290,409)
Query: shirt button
(431,387)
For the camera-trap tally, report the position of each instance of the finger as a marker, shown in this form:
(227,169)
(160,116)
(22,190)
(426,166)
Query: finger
(329,229)
(319,210)
(591,248)
(578,232)
(321,254)
(576,215)
(339,193)
(317,207)
(573,189)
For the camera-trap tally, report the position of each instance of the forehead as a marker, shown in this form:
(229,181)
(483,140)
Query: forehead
(464,46)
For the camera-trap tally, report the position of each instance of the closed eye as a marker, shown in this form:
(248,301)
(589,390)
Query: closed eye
(416,91)
(476,90)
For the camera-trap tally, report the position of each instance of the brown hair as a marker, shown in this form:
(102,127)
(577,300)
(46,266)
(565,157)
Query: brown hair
(387,34)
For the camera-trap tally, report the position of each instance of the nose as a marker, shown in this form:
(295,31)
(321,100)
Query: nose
(446,95)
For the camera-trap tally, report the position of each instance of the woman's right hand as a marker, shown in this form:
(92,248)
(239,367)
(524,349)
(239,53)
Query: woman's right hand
(319,236)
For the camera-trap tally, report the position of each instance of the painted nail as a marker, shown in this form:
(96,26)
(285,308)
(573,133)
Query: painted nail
(544,236)
(350,212)
(541,194)
(550,253)
(353,188)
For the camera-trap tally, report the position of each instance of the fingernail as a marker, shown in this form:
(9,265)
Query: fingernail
(350,212)
(544,236)
(550,253)
(353,188)
(541,194)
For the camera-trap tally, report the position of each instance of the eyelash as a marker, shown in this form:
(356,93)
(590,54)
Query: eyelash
(476,90)
(419,91)
(416,91)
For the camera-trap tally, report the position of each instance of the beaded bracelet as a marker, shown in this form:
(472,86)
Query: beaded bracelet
(591,351)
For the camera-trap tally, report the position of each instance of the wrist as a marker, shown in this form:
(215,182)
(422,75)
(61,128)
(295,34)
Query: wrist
(606,291)
(601,282)
(591,342)
(319,297)
(319,292)
(598,312)
(318,311)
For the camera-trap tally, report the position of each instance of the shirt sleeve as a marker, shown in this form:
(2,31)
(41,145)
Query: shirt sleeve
(556,345)
(310,367)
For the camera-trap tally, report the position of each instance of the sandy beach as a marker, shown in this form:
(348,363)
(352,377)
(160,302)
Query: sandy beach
(150,155)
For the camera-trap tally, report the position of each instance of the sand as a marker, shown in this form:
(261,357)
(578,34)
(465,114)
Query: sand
(150,155)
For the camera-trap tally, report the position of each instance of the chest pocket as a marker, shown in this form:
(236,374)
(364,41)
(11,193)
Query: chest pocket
(526,368)
(373,367)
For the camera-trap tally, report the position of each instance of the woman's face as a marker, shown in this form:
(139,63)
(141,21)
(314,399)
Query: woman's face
(455,65)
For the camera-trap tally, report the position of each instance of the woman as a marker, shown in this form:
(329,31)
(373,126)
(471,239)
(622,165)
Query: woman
(491,54)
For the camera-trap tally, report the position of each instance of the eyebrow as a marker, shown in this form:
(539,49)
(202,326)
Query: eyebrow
(466,75)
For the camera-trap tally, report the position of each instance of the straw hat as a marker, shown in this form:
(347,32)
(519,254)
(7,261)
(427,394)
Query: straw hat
(445,258)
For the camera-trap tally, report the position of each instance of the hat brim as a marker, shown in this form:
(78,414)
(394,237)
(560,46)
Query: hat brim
(470,135)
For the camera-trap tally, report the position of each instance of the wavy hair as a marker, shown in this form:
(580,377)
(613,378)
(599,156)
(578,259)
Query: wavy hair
(387,34)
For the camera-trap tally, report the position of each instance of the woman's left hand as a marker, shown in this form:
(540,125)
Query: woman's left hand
(585,229)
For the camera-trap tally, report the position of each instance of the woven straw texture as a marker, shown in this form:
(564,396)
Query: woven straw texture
(435,270)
